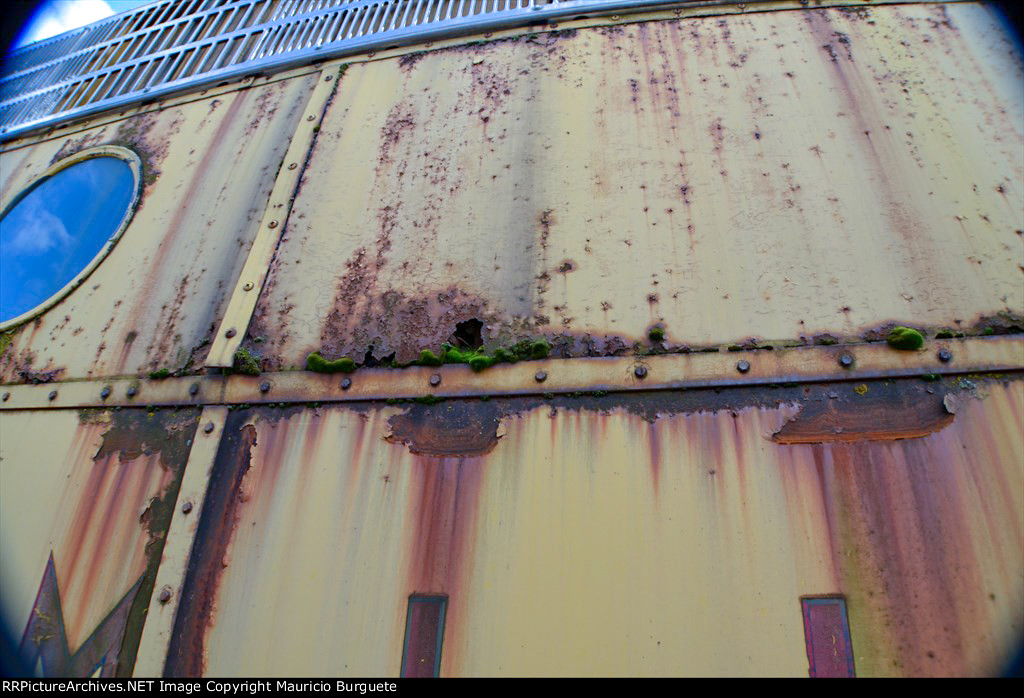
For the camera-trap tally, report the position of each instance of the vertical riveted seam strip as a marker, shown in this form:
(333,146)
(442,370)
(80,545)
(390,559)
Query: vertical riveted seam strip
(156,634)
(243,302)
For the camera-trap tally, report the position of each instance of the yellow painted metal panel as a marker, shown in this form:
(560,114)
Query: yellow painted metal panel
(208,166)
(775,175)
(655,534)
(90,489)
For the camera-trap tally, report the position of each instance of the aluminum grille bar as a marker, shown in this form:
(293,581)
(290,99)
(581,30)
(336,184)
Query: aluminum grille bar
(174,45)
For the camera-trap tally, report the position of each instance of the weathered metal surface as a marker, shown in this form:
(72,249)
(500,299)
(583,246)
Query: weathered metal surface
(790,365)
(85,501)
(170,578)
(208,167)
(776,175)
(677,504)
(149,52)
(247,288)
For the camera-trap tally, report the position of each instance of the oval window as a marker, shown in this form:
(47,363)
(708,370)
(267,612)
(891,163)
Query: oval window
(54,233)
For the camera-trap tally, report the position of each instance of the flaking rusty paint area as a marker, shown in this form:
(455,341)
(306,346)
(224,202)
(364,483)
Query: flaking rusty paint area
(679,505)
(456,428)
(888,412)
(207,168)
(95,490)
(793,175)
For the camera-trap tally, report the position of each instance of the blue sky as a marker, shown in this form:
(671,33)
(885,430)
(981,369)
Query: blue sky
(57,16)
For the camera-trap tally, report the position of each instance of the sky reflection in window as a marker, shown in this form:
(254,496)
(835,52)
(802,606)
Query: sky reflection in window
(55,231)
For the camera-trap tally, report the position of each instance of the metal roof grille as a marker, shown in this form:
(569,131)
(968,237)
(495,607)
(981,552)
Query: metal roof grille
(178,44)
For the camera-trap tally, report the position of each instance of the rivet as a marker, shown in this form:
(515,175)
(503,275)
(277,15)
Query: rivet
(264,387)
(165,595)
(540,376)
(186,507)
(105,393)
(7,396)
(846,361)
(293,165)
(248,286)
(640,371)
(945,355)
(230,333)
(193,389)
(310,117)
(435,379)
(53,394)
(743,366)
(328,78)
(346,383)
(132,390)
(208,428)
(272,224)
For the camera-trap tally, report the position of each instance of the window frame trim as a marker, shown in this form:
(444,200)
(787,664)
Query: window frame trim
(135,165)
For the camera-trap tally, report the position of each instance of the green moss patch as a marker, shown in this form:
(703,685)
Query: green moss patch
(905,338)
(318,364)
(246,363)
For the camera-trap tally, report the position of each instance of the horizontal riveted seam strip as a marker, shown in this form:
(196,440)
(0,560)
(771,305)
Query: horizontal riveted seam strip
(612,374)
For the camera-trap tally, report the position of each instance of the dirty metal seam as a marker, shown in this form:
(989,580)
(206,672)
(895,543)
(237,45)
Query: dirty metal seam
(273,224)
(614,374)
(153,105)
(163,605)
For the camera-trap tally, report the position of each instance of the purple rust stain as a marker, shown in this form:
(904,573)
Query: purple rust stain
(45,639)
(827,631)
(424,632)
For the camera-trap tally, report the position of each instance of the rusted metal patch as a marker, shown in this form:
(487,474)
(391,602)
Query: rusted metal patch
(827,629)
(882,412)
(421,656)
(458,428)
(186,654)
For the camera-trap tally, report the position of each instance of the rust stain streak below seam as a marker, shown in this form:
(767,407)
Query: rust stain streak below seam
(185,657)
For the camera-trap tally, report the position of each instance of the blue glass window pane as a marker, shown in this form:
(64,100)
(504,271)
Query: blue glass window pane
(55,231)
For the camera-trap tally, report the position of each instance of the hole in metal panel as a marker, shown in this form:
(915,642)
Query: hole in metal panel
(424,631)
(827,633)
(468,334)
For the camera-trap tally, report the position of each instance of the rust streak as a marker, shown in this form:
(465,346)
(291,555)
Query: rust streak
(186,654)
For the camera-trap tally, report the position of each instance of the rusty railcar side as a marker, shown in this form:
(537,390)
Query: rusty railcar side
(694,229)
